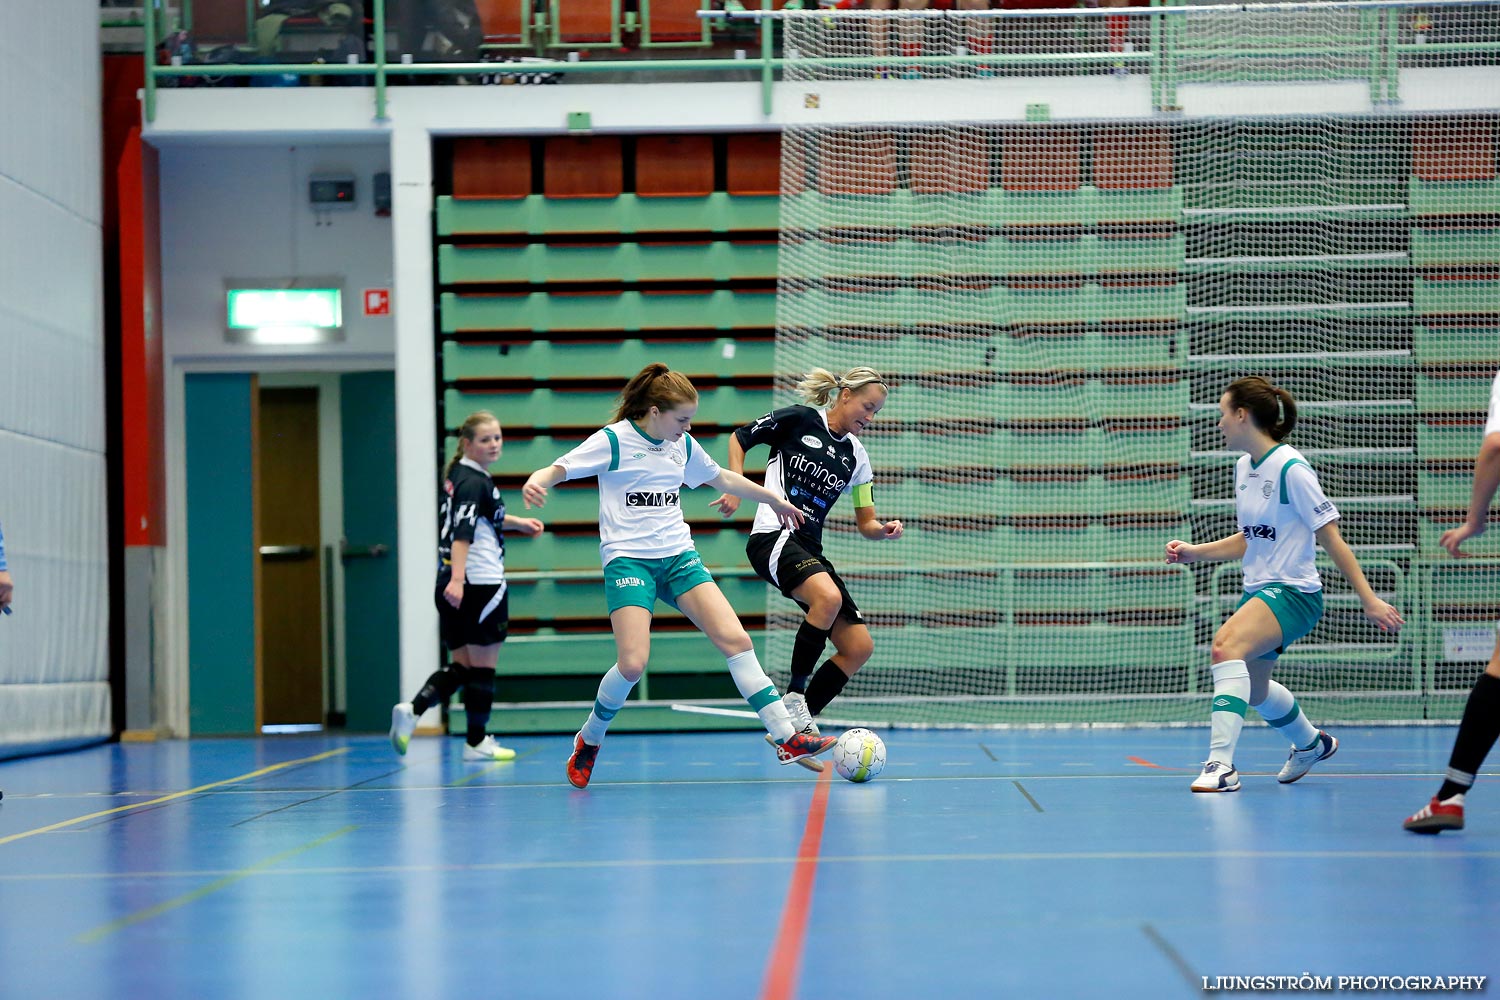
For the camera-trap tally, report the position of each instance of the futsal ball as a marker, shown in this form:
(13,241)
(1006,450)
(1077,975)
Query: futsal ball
(859,755)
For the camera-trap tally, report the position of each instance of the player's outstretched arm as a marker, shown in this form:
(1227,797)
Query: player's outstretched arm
(1228,547)
(729,481)
(1377,610)
(727,503)
(534,491)
(523,525)
(1486,481)
(873,528)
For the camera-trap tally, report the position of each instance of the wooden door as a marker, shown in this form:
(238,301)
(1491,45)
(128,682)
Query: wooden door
(291,580)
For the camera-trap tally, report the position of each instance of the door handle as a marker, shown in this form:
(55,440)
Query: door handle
(287,553)
(377,551)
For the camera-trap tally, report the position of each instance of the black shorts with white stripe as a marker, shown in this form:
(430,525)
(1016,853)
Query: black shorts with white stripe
(481,619)
(780,560)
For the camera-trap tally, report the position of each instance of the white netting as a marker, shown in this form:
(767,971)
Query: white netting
(1059,307)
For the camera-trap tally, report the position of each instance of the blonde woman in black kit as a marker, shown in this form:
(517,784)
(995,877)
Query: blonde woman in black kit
(473,606)
(816,457)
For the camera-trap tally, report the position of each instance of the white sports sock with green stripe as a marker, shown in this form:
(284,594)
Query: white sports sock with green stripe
(756,688)
(1231,688)
(1283,714)
(613,690)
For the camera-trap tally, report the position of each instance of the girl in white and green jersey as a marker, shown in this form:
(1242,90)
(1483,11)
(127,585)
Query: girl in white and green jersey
(1283,516)
(642,461)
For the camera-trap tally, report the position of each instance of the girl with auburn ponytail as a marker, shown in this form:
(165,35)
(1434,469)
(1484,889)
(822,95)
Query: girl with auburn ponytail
(1282,515)
(642,461)
(472,601)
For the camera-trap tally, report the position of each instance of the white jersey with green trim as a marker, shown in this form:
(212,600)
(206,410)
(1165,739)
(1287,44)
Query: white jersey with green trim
(639,478)
(1280,506)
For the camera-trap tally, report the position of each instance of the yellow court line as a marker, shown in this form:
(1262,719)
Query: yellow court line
(175,795)
(140,916)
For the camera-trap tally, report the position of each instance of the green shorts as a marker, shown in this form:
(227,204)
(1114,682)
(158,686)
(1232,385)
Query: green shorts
(639,583)
(1295,611)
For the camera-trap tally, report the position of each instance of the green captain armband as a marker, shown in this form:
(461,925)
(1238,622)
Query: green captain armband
(864,495)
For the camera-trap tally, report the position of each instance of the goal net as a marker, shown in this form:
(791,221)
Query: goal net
(1059,305)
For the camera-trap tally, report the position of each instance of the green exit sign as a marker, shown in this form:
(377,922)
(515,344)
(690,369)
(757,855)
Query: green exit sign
(284,315)
(254,308)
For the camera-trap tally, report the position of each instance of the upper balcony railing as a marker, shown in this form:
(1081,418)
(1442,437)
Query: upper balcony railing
(1372,41)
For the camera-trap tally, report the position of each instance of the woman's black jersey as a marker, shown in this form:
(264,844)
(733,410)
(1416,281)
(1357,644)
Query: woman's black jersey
(470,510)
(809,465)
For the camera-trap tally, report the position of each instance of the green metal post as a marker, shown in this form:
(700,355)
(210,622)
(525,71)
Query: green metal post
(1158,96)
(187,16)
(148,59)
(379,15)
(1392,66)
(1172,34)
(767,26)
(249,22)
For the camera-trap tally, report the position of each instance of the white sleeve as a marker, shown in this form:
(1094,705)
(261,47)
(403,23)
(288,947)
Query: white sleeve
(597,454)
(864,472)
(700,467)
(1306,496)
(1492,426)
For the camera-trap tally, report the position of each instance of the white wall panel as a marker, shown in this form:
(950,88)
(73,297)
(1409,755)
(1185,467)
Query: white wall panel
(53,650)
(49,103)
(51,340)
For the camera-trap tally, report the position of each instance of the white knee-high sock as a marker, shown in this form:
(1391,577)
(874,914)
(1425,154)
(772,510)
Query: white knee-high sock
(1283,714)
(1231,688)
(757,689)
(613,690)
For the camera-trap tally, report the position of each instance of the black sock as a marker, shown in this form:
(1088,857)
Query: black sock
(438,689)
(1476,735)
(825,686)
(806,649)
(479,697)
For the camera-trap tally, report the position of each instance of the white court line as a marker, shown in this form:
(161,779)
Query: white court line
(880,859)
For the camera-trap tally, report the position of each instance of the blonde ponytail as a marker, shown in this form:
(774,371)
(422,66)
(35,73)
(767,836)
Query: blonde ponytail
(820,387)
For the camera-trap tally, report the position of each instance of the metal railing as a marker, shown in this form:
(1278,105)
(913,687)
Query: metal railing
(1376,44)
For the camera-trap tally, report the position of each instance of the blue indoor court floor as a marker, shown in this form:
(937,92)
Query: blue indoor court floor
(1014,863)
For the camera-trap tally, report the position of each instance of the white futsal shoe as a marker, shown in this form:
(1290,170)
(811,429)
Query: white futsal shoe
(1217,777)
(1301,761)
(796,707)
(488,750)
(403,724)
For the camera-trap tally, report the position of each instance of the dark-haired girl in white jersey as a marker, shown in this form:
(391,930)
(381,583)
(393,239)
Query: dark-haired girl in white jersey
(1283,515)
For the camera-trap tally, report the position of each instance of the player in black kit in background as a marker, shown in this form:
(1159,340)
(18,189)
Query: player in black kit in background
(473,606)
(816,457)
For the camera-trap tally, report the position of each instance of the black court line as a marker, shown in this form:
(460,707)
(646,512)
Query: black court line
(987,752)
(1174,956)
(1034,803)
(122,816)
(331,792)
